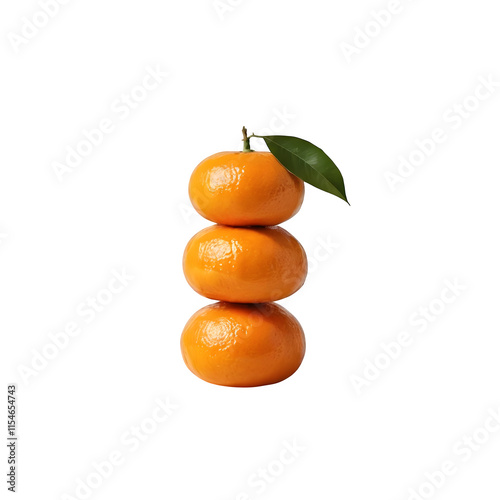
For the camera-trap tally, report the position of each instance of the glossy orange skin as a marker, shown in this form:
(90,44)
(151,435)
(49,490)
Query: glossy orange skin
(243,345)
(247,265)
(245,189)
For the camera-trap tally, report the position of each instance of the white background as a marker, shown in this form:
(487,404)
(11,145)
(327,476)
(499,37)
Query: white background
(280,66)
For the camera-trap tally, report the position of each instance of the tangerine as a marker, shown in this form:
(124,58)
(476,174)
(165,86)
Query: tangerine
(252,264)
(245,189)
(243,345)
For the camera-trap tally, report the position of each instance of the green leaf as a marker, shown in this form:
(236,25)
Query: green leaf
(308,162)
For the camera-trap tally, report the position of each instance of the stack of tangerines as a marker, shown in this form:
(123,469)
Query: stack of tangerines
(246,262)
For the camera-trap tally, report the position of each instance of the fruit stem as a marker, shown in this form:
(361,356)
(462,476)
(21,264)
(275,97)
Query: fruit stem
(246,141)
